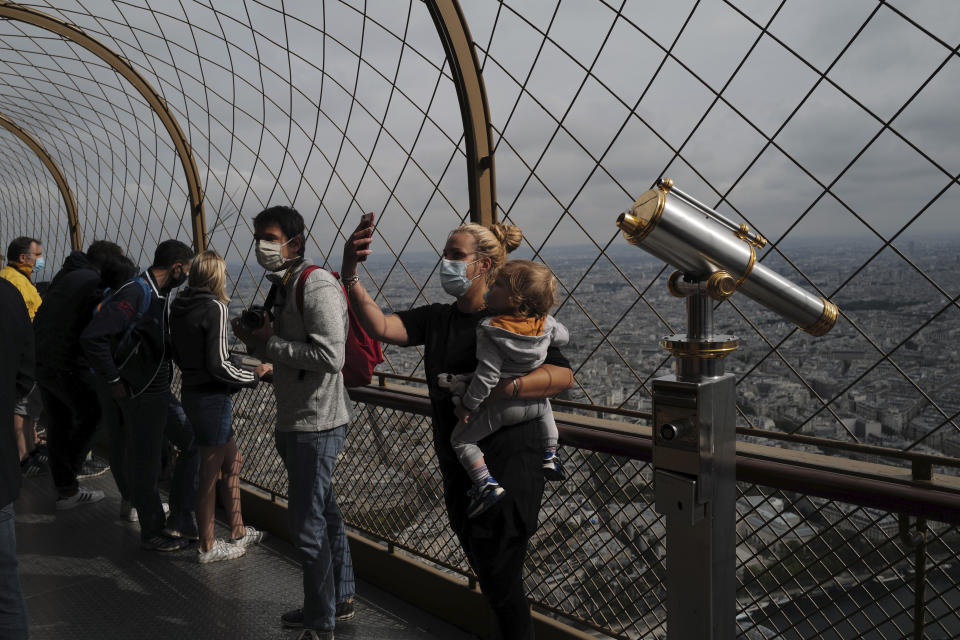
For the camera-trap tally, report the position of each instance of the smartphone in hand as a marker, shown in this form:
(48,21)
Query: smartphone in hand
(366,220)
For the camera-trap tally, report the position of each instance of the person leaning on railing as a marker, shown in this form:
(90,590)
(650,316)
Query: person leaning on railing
(495,542)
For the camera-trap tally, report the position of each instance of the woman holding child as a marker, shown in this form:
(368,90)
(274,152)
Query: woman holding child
(495,540)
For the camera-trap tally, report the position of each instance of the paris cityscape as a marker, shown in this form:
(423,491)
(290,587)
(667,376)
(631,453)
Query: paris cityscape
(884,309)
(601,521)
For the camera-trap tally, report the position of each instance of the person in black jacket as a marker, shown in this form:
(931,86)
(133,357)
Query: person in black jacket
(66,384)
(198,329)
(138,381)
(16,378)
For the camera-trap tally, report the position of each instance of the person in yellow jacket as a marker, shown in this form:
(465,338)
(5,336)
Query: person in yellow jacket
(24,258)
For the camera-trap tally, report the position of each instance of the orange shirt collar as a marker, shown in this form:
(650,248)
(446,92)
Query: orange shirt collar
(520,325)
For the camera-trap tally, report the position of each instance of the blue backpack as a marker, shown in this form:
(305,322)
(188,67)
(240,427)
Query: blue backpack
(139,351)
(108,295)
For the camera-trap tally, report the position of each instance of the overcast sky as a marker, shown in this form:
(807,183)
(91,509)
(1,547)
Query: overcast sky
(588,97)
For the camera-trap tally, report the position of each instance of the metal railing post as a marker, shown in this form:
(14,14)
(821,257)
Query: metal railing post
(920,471)
(472,95)
(694,461)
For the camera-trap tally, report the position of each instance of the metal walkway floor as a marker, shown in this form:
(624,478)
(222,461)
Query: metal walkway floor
(84,576)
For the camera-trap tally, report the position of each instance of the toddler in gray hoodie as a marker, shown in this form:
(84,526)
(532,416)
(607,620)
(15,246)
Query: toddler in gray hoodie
(510,344)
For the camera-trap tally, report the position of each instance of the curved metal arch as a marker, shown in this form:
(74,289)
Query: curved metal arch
(472,94)
(14,11)
(76,240)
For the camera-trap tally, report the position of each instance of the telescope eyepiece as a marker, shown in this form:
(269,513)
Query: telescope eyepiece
(642,217)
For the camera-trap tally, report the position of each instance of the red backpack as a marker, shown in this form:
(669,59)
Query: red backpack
(363,353)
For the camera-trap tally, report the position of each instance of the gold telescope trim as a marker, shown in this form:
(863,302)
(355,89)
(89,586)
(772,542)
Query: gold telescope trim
(703,350)
(744,234)
(749,268)
(721,285)
(827,319)
(644,215)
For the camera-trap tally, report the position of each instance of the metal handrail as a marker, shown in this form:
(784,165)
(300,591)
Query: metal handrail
(893,490)
(915,458)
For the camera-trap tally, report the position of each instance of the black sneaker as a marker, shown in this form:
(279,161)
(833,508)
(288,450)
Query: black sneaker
(292,619)
(552,468)
(345,611)
(484,497)
(164,543)
(31,467)
(190,536)
(41,453)
(92,467)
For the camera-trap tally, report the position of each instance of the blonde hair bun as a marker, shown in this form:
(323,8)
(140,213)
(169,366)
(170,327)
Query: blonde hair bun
(510,236)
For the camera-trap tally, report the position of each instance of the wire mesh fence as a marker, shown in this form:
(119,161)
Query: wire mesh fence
(806,567)
(830,128)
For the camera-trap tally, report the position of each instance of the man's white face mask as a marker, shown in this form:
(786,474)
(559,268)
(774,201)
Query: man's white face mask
(270,254)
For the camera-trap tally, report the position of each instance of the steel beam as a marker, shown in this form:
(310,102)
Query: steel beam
(14,11)
(76,240)
(465,69)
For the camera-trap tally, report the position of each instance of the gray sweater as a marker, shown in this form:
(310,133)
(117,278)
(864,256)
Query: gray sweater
(313,344)
(505,354)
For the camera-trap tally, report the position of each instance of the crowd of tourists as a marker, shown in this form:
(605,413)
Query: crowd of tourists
(97,353)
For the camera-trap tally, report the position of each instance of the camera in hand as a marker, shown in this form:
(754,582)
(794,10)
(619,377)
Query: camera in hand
(254,318)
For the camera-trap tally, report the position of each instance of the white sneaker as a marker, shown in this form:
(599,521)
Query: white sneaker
(251,536)
(220,551)
(128,513)
(82,496)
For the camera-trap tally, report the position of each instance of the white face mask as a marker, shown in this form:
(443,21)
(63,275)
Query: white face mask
(453,276)
(270,254)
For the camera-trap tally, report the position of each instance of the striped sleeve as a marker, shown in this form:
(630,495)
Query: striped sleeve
(218,361)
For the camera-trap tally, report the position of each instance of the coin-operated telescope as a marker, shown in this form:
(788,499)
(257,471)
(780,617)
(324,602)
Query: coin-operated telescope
(694,410)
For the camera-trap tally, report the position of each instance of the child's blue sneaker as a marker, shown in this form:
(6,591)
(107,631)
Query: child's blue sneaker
(552,468)
(484,496)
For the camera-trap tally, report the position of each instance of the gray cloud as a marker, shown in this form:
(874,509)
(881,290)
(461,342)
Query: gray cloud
(250,153)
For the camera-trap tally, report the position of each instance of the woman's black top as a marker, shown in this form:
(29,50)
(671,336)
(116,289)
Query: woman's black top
(199,331)
(513,454)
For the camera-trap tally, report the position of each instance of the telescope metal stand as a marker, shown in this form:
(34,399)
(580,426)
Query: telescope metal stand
(694,473)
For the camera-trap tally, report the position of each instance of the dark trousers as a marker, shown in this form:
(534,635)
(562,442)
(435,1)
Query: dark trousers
(495,542)
(73,412)
(498,563)
(120,442)
(186,472)
(13,608)
(145,425)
